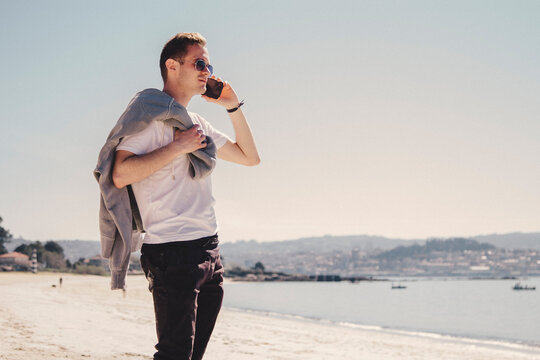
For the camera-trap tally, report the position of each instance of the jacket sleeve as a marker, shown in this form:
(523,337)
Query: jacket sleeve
(115,213)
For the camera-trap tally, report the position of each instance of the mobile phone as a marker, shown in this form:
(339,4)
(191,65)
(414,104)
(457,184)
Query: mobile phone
(213,88)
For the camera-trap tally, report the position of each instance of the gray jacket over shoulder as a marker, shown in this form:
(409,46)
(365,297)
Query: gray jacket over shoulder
(120,225)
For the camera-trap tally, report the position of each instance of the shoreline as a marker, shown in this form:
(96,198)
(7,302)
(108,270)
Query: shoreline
(84,319)
(476,320)
(490,342)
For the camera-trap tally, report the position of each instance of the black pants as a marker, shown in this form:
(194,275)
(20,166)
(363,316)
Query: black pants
(186,281)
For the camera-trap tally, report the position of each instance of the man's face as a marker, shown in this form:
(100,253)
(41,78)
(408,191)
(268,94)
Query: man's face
(189,79)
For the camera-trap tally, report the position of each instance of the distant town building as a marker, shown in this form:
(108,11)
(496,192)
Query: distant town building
(15,261)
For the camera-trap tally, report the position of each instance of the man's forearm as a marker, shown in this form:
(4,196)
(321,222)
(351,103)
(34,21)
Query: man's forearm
(244,137)
(130,168)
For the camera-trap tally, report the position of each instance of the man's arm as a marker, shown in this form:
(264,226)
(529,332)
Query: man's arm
(130,168)
(243,151)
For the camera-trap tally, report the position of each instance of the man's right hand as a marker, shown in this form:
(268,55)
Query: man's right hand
(189,140)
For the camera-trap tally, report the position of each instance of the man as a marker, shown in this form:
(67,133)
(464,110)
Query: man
(180,254)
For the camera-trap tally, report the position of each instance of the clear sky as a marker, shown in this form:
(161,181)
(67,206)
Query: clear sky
(407,119)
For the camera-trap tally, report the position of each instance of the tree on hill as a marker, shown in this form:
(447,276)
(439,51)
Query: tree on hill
(5,236)
(54,260)
(259,266)
(54,247)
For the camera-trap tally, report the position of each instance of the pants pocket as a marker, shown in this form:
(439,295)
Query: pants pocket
(152,272)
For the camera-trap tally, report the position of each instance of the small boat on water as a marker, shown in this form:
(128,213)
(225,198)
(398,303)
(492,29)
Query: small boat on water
(398,286)
(518,286)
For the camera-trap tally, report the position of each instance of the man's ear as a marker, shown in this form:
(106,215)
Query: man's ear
(171,65)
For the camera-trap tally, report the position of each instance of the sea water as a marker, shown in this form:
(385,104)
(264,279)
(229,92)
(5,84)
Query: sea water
(483,309)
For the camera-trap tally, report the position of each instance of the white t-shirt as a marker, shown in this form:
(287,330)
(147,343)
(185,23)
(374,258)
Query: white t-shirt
(173,206)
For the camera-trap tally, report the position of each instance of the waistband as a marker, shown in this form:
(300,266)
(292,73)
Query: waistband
(201,243)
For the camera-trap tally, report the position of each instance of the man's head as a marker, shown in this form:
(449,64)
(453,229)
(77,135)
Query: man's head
(177,47)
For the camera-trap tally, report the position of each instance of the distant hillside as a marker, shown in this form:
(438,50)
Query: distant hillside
(434,246)
(76,249)
(512,241)
(247,253)
(13,243)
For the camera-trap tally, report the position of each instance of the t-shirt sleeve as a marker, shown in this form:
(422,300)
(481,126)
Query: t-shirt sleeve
(141,143)
(219,138)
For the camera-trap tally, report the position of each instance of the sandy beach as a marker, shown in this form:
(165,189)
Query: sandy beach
(83,319)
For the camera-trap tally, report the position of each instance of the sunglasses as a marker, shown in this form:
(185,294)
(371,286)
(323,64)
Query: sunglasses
(200,65)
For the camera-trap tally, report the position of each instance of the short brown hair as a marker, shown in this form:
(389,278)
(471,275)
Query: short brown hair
(177,47)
